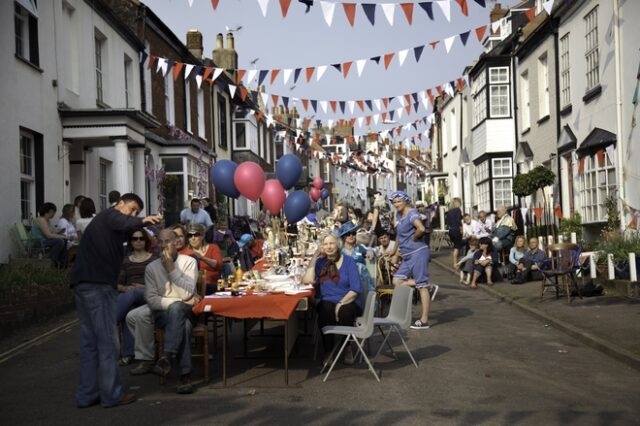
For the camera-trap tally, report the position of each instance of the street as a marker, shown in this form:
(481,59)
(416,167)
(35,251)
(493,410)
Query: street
(482,362)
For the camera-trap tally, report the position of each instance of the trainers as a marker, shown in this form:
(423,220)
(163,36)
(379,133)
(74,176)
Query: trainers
(433,290)
(144,367)
(185,386)
(125,360)
(419,325)
(162,367)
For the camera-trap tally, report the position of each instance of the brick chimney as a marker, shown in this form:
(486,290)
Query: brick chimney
(496,14)
(225,57)
(194,43)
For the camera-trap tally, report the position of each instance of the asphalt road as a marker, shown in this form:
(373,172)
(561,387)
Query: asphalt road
(482,362)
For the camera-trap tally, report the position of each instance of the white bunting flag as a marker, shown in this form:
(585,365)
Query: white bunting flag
(165,68)
(263,6)
(199,80)
(548,6)
(449,89)
(402,55)
(445,6)
(360,120)
(376,118)
(269,119)
(402,101)
(399,112)
(190,3)
(320,72)
(251,74)
(407,127)
(360,63)
(232,90)
(286,75)
(448,42)
(299,122)
(352,105)
(327,11)
(330,123)
(323,105)
(265,98)
(216,74)
(161,62)
(378,104)
(389,10)
(187,70)
(610,153)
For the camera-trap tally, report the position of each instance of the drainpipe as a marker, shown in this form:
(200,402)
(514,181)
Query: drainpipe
(143,104)
(515,99)
(556,57)
(619,138)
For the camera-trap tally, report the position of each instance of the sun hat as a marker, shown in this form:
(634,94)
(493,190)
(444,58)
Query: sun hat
(196,228)
(244,240)
(348,228)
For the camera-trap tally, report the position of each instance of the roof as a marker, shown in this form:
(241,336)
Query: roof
(524,152)
(567,139)
(597,139)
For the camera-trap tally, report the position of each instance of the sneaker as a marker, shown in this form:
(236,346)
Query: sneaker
(185,386)
(419,325)
(144,367)
(162,367)
(433,290)
(125,360)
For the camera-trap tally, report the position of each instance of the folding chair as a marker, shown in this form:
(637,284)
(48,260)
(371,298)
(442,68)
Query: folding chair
(399,317)
(362,331)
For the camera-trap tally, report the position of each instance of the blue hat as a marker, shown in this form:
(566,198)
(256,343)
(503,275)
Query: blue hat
(348,228)
(245,239)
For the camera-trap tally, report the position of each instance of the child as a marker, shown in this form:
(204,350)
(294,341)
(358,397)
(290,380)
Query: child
(465,265)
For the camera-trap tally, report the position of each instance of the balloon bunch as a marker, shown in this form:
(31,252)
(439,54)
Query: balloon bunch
(248,179)
(318,190)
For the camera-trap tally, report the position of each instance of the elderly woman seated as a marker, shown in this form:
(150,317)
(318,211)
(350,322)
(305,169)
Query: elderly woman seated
(335,277)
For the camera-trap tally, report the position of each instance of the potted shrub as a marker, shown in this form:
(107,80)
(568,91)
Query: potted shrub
(571,225)
(620,246)
(612,228)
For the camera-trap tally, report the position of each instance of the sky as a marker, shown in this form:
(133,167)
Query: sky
(303,39)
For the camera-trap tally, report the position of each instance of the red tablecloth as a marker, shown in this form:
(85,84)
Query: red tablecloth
(274,306)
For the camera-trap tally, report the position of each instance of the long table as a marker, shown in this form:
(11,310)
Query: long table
(279,307)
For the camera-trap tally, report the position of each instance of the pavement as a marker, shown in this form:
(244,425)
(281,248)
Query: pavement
(609,323)
(484,361)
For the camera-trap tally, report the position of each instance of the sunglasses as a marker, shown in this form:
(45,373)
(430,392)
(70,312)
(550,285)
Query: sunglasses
(194,235)
(350,234)
(137,238)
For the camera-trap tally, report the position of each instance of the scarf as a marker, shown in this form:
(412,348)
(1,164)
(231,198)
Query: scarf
(329,270)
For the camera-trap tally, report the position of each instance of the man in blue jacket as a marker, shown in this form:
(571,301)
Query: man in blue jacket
(93,280)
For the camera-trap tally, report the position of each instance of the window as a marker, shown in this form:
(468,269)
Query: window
(592,54)
(482,171)
(201,131)
(479,94)
(565,80)
(26,32)
(499,92)
(543,86)
(483,194)
(454,127)
(222,121)
(172,165)
(104,167)
(502,195)
(241,137)
(187,105)
(526,101)
(27,176)
(501,167)
(127,81)
(148,104)
(169,104)
(100,42)
(596,183)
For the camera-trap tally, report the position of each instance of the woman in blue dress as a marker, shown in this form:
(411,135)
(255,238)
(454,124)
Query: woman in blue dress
(414,269)
(357,252)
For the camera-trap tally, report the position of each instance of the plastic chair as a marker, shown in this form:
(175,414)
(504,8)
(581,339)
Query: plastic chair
(399,318)
(362,331)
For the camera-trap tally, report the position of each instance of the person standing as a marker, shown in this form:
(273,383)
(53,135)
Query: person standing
(93,279)
(414,269)
(453,220)
(195,215)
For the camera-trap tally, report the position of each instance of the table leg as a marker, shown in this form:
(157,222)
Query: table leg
(245,338)
(286,353)
(224,351)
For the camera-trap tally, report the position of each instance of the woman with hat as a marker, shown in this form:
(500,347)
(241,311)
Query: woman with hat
(357,252)
(414,269)
(208,255)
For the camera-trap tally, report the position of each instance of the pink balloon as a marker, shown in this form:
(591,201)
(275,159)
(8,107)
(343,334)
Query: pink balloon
(273,196)
(249,179)
(318,183)
(315,194)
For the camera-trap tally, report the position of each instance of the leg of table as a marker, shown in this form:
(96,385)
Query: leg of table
(286,353)
(224,351)
(246,337)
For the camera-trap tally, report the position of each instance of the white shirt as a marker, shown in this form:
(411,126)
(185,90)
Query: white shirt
(473,229)
(486,227)
(201,218)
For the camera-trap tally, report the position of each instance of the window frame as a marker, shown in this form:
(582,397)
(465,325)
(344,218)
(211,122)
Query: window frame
(525,95)
(127,77)
(223,118)
(544,98)
(26,43)
(565,72)
(103,184)
(495,167)
(187,105)
(479,96)
(27,177)
(169,96)
(99,48)
(593,190)
(592,49)
(507,187)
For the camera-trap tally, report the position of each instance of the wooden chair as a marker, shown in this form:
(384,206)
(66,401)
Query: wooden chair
(559,270)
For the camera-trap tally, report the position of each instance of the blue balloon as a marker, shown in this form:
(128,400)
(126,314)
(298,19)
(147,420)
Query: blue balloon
(288,170)
(222,178)
(296,206)
(324,193)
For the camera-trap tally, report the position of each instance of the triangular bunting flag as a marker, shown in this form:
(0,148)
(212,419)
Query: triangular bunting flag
(417,52)
(214,4)
(548,6)
(305,103)
(408,109)
(333,105)
(434,44)
(385,101)
(320,72)
(369,10)
(342,105)
(460,84)
(360,105)
(464,37)
(431,97)
(367,119)
(387,59)
(345,68)
(530,13)
(427,6)
(407,8)
(285,102)
(323,105)
(274,99)
(384,116)
(445,7)
(416,105)
(407,99)
(360,66)
(232,90)
(338,67)
(216,73)
(263,6)
(314,105)
(284,7)
(207,73)
(160,64)
(296,75)
(448,42)
(187,71)
(265,98)
(309,72)
(199,80)
(360,121)
(352,105)
(480,31)
(481,3)
(463,7)
(286,74)
(240,75)
(377,103)
(368,103)
(350,12)
(274,74)
(152,61)
(243,93)
(261,76)
(439,89)
(327,11)
(402,55)
(414,95)
(143,56)
(251,74)
(176,70)
(389,10)
(376,118)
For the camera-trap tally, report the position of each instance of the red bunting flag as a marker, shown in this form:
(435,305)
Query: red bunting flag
(385,101)
(352,122)
(581,166)
(384,116)
(240,76)
(345,68)
(176,70)
(398,131)
(387,59)
(407,98)
(360,105)
(284,7)
(460,84)
(305,103)
(152,61)
(439,89)
(207,73)
(274,99)
(274,74)
(463,7)
(350,11)
(407,8)
(480,31)
(434,44)
(408,109)
(431,97)
(214,4)
(557,211)
(309,71)
(538,212)
(243,93)
(333,105)
(367,120)
(634,221)
(531,13)
(600,156)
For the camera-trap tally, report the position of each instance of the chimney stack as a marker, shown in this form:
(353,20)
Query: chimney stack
(225,57)
(194,43)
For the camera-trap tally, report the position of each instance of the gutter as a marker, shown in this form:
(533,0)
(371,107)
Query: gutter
(556,56)
(620,139)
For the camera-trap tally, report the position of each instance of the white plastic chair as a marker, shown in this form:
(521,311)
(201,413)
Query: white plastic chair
(362,331)
(399,318)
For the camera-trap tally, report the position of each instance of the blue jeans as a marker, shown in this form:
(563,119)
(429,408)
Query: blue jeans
(177,322)
(126,302)
(99,374)
(57,251)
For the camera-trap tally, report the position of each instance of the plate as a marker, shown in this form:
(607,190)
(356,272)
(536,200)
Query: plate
(275,278)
